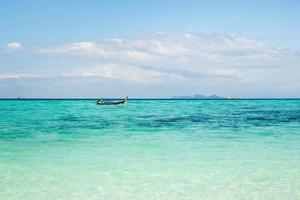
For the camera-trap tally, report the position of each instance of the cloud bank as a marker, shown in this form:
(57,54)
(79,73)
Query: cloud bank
(230,62)
(191,56)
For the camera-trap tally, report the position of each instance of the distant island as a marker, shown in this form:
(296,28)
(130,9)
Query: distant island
(199,96)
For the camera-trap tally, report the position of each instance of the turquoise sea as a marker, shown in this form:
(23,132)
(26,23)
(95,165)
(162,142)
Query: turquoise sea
(150,149)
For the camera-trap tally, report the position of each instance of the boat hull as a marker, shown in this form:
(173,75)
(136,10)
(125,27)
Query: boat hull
(112,103)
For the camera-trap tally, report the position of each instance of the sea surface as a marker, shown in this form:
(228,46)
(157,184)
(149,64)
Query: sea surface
(150,150)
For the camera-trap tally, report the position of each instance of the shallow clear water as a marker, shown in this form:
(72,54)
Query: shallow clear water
(150,149)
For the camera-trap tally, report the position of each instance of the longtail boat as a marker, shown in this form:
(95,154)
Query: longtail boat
(106,103)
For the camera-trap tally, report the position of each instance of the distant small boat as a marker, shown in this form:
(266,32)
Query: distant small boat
(231,98)
(106,103)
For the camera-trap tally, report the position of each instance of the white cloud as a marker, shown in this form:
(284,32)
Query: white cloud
(202,56)
(125,73)
(207,62)
(18,76)
(107,71)
(13,46)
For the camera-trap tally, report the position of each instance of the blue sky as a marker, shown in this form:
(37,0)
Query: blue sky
(151,48)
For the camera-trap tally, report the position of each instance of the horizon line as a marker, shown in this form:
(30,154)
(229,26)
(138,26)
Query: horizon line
(157,98)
